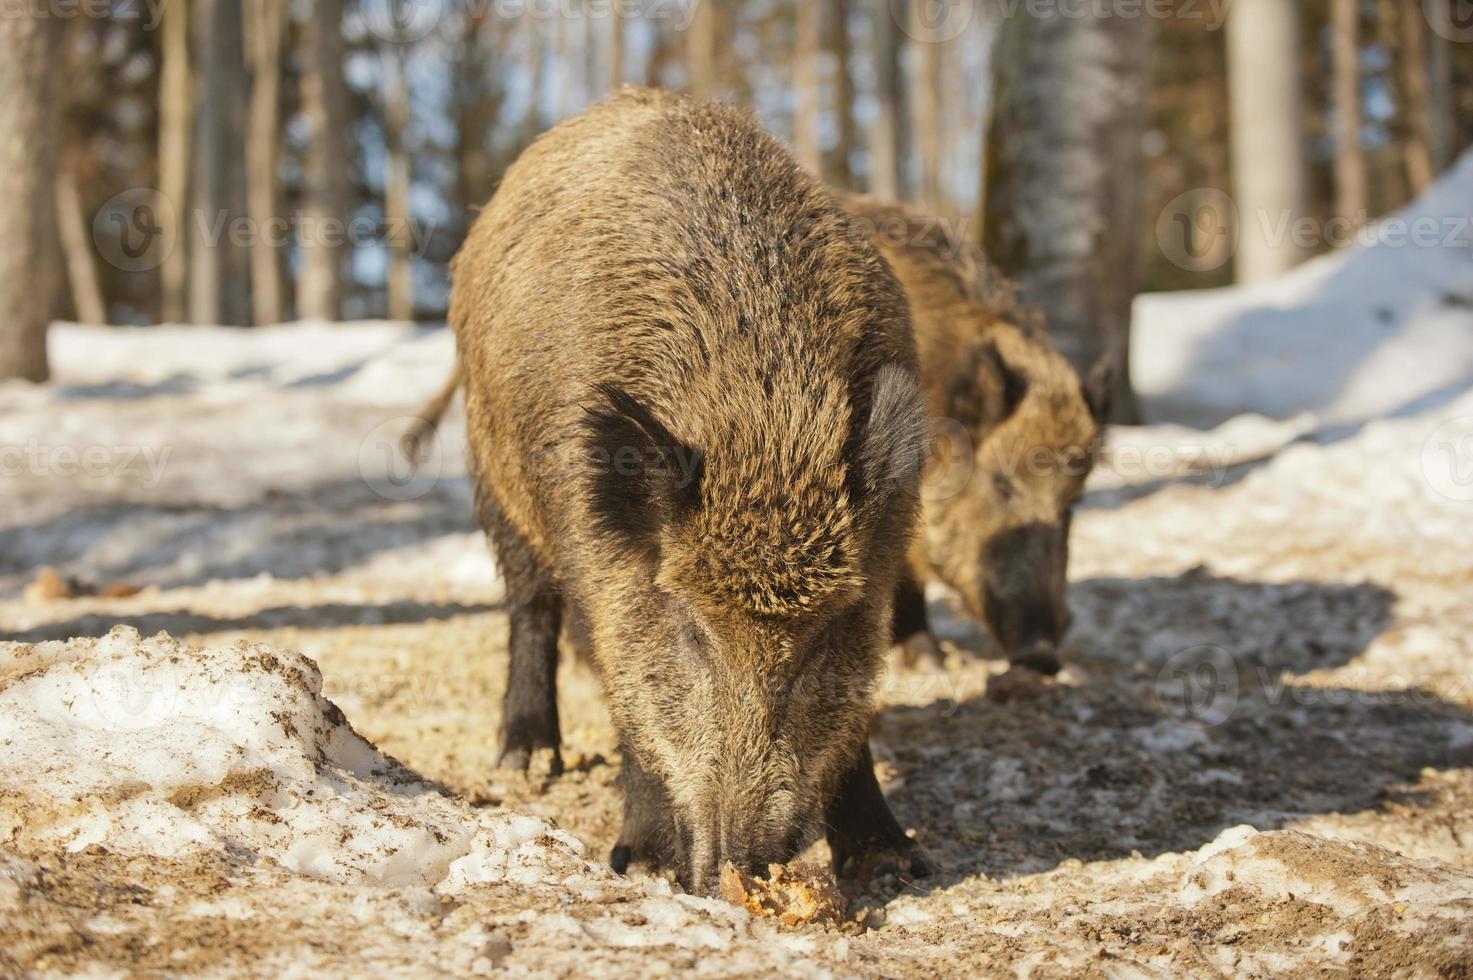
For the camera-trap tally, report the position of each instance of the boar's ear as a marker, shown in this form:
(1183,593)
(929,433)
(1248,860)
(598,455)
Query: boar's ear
(988,393)
(890,445)
(642,476)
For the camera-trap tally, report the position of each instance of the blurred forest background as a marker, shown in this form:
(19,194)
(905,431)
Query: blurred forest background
(253,161)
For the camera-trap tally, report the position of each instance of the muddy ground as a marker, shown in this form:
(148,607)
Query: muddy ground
(1283,643)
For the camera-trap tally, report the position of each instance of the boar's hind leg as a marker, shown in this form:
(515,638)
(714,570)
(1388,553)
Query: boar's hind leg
(648,834)
(864,837)
(529,718)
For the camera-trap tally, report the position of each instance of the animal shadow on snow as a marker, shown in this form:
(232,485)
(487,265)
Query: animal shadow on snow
(1120,763)
(326,527)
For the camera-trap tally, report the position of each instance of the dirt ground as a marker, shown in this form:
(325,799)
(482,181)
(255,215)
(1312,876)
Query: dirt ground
(1259,760)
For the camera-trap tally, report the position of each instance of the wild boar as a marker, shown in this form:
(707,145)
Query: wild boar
(998,530)
(694,421)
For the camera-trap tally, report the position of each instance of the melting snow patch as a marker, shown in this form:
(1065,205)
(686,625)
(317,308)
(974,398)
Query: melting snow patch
(149,747)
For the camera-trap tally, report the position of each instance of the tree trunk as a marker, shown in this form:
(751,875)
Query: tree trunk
(266,27)
(840,170)
(29,103)
(327,202)
(700,51)
(77,245)
(476,108)
(1063,195)
(616,47)
(1418,142)
(219,260)
(562,68)
(1440,96)
(808,48)
(537,80)
(885,133)
(1270,181)
(176,120)
(926,97)
(397,186)
(1351,196)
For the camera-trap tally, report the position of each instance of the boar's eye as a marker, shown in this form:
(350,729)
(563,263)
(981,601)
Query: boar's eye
(1003,487)
(693,636)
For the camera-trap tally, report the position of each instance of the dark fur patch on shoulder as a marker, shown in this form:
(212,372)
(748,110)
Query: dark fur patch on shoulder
(641,474)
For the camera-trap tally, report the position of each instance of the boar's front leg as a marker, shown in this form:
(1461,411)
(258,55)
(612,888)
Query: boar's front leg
(529,719)
(910,609)
(648,834)
(863,835)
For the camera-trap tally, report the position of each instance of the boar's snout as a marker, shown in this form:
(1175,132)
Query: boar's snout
(748,830)
(1024,604)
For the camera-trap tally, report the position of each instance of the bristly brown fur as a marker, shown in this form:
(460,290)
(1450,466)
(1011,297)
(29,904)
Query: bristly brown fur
(1001,539)
(691,403)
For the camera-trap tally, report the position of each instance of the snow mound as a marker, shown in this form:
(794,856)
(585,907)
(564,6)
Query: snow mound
(1383,325)
(149,747)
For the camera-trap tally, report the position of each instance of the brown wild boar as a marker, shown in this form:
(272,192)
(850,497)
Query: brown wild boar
(695,423)
(997,532)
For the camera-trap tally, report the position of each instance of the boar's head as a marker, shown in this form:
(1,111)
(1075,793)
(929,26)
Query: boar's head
(746,605)
(997,529)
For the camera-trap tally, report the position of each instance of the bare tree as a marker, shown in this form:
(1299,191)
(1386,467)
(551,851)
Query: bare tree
(1418,138)
(397,183)
(808,49)
(536,73)
(1270,180)
(1440,95)
(265,32)
(926,97)
(28,148)
(76,244)
(839,170)
(1351,200)
(176,121)
(219,263)
(477,103)
(885,132)
(326,204)
(616,46)
(1063,194)
(700,51)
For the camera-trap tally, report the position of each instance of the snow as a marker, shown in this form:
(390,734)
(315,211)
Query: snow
(1382,326)
(276,758)
(148,747)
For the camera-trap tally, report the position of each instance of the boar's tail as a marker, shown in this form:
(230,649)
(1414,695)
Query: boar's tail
(427,420)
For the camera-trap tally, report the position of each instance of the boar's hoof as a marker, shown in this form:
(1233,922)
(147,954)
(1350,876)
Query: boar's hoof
(920,649)
(533,761)
(1040,659)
